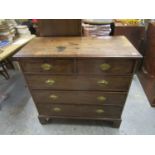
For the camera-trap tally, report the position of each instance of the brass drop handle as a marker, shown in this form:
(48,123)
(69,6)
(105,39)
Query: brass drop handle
(53,97)
(46,67)
(103,82)
(57,109)
(99,111)
(105,67)
(101,98)
(50,82)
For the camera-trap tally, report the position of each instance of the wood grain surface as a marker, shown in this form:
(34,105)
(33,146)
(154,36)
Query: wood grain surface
(80,110)
(79,97)
(114,83)
(117,46)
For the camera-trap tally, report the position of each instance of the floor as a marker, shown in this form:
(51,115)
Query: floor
(18,115)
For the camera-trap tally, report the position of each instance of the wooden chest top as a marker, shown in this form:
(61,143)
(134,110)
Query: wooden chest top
(117,46)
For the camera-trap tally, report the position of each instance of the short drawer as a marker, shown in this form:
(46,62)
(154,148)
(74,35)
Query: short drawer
(50,66)
(80,110)
(107,83)
(105,66)
(79,97)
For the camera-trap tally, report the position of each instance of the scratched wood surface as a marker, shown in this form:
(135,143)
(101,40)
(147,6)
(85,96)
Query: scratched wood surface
(117,46)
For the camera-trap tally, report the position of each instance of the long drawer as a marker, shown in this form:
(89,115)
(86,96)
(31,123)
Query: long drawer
(107,83)
(79,97)
(80,111)
(105,66)
(48,66)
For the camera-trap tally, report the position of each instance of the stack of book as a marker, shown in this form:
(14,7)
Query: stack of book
(23,30)
(92,29)
(7,31)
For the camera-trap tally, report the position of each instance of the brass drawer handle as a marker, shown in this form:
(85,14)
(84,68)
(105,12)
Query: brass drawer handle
(46,66)
(57,109)
(101,98)
(103,82)
(50,82)
(105,67)
(53,97)
(99,111)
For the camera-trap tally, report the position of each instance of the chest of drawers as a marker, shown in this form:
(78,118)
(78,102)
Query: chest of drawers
(79,77)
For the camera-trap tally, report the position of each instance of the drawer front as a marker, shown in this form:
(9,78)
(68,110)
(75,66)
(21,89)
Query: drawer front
(105,66)
(79,97)
(50,66)
(112,83)
(80,110)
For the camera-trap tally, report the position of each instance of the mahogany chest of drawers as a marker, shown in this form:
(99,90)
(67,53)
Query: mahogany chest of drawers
(79,77)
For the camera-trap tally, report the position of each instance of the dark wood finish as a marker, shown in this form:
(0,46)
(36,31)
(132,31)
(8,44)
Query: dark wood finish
(59,27)
(85,72)
(149,58)
(115,83)
(149,66)
(116,66)
(148,85)
(85,66)
(45,119)
(135,34)
(117,123)
(80,110)
(147,72)
(79,97)
(57,66)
